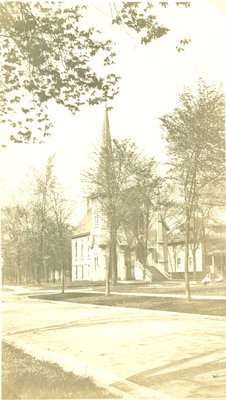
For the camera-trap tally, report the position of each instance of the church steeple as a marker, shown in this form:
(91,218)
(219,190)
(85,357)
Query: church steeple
(106,136)
(105,156)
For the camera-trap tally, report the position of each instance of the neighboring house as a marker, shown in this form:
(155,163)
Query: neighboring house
(90,243)
(210,254)
(176,257)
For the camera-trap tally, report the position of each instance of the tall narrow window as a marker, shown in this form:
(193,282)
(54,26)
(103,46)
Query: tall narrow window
(82,249)
(179,263)
(96,262)
(76,249)
(88,248)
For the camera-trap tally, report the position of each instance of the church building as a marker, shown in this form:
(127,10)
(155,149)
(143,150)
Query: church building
(90,244)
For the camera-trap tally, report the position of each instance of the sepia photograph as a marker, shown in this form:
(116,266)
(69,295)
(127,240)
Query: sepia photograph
(113,223)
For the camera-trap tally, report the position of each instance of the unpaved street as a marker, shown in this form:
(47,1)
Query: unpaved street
(178,355)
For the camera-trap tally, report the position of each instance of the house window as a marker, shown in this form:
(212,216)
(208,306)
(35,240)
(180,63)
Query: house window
(95,262)
(88,248)
(178,263)
(81,271)
(82,249)
(76,249)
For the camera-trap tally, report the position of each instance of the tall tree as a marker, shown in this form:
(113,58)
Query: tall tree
(12,241)
(60,214)
(195,134)
(44,182)
(47,54)
(36,234)
(111,180)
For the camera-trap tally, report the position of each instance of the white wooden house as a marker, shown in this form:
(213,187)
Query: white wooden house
(210,254)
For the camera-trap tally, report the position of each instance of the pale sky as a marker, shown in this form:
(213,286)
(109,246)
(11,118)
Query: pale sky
(152,77)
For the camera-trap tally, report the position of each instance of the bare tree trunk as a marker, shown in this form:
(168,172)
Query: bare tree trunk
(113,258)
(107,263)
(33,272)
(62,265)
(114,262)
(203,248)
(186,273)
(38,273)
(194,261)
(3,275)
(47,272)
(145,256)
(39,264)
(63,280)
(18,271)
(194,246)
(27,274)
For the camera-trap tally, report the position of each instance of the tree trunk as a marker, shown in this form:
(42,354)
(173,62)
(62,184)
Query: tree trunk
(114,262)
(113,252)
(33,272)
(27,274)
(38,273)
(194,261)
(18,272)
(186,273)
(63,280)
(63,268)
(70,276)
(203,249)
(3,275)
(174,257)
(193,246)
(107,263)
(47,273)
(145,258)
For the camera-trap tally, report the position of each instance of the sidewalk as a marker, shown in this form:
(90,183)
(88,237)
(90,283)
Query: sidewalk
(27,291)
(177,296)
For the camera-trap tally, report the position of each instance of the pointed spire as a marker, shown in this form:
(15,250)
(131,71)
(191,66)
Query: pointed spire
(105,158)
(106,136)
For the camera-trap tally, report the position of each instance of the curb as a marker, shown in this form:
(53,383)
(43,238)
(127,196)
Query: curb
(114,384)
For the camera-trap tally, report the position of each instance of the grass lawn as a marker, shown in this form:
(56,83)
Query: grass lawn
(24,377)
(171,287)
(206,307)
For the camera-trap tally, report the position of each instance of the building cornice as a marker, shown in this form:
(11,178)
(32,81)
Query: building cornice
(80,235)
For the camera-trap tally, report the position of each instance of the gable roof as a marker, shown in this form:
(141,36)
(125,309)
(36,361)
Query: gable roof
(84,226)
